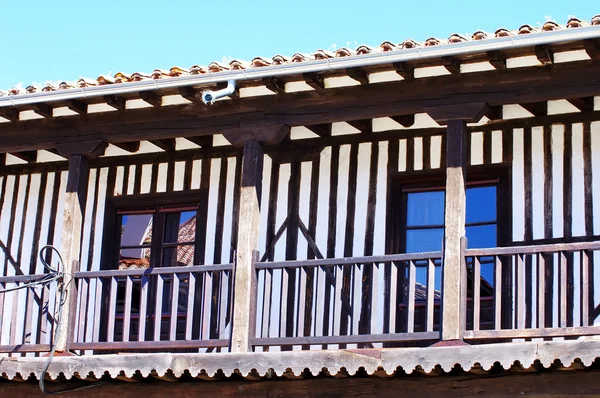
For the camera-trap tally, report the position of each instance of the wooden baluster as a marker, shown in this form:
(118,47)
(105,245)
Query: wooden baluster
(337,306)
(562,260)
(174,307)
(301,302)
(541,299)
(393,297)
(2,313)
(430,294)
(283,303)
(520,296)
(476,292)
(189,312)
(585,288)
(98,310)
(410,316)
(82,293)
(145,280)
(223,305)
(207,278)
(127,309)
(497,293)
(158,307)
(112,306)
(266,315)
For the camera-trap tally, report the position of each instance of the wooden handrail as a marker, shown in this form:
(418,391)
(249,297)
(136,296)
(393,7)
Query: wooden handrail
(533,249)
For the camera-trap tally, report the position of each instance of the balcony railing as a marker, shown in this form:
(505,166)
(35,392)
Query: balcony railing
(542,291)
(154,309)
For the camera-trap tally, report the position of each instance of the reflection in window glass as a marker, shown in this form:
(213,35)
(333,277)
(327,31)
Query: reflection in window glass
(425,208)
(481,204)
(180,227)
(136,232)
(424,240)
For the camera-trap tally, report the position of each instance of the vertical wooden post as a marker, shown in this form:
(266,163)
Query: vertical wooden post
(455,209)
(244,306)
(71,244)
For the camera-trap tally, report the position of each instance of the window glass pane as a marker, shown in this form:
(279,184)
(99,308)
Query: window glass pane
(178,256)
(136,230)
(140,261)
(425,208)
(180,227)
(481,204)
(481,236)
(424,240)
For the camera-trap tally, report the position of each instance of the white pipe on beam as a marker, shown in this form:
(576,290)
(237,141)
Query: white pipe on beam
(372,59)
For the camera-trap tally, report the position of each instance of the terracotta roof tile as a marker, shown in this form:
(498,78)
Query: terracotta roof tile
(257,62)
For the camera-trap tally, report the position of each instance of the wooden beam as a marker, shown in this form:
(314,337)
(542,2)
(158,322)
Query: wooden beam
(314,80)
(11,114)
(592,48)
(167,145)
(77,106)
(322,130)
(544,55)
(269,134)
(151,97)
(358,74)
(451,64)
(405,70)
(72,223)
(514,85)
(116,102)
(536,108)
(364,125)
(43,109)
(496,59)
(28,156)
(494,113)
(404,120)
(275,85)
(190,94)
(455,207)
(583,104)
(205,141)
(244,295)
(130,147)
(471,113)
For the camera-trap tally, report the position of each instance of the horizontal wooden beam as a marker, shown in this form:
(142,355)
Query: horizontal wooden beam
(205,141)
(510,86)
(77,106)
(322,130)
(43,109)
(496,59)
(90,149)
(536,108)
(28,156)
(115,101)
(405,70)
(189,93)
(275,85)
(151,97)
(358,74)
(11,114)
(314,80)
(167,145)
(404,120)
(128,146)
(583,104)
(363,125)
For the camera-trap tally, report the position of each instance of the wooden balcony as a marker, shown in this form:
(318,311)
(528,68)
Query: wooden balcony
(543,291)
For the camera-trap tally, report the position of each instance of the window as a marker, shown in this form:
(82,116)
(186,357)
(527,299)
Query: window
(140,245)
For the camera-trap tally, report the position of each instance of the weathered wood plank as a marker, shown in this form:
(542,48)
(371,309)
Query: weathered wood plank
(244,316)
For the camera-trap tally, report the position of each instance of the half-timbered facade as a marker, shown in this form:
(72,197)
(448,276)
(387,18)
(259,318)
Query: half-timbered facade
(415,204)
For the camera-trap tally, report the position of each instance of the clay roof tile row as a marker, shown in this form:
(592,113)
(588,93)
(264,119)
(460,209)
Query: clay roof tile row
(258,62)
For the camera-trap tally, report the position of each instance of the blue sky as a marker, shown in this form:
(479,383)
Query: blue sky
(66,39)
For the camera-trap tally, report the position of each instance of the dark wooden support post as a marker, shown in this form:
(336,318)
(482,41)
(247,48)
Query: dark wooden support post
(453,269)
(72,228)
(244,302)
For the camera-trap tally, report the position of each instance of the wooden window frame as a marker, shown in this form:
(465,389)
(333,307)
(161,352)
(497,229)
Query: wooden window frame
(421,180)
(154,203)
